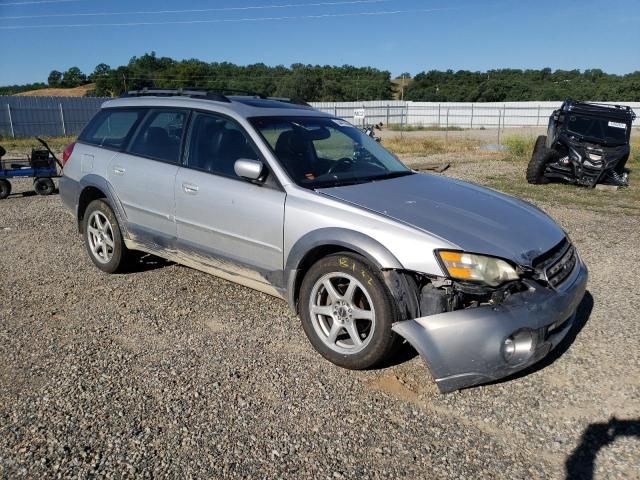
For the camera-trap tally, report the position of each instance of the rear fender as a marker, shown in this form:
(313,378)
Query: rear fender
(107,189)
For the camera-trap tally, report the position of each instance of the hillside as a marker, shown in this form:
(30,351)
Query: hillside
(80,91)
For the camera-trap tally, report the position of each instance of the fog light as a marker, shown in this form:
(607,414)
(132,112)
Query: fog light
(509,348)
(519,347)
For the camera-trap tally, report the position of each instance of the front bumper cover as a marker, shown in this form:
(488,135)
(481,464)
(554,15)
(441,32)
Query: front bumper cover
(465,347)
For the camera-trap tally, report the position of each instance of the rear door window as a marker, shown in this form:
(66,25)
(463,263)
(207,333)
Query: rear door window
(160,135)
(112,128)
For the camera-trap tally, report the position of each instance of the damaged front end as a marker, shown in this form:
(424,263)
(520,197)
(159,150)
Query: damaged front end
(585,163)
(469,333)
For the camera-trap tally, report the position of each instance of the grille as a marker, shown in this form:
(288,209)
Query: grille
(557,264)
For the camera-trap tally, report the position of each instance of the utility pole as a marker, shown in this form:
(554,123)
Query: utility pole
(124,82)
(402,89)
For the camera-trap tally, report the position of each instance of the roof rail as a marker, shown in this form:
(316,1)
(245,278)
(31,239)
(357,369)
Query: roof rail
(204,93)
(623,109)
(293,101)
(182,92)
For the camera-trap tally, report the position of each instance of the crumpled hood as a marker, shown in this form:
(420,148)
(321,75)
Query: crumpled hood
(474,218)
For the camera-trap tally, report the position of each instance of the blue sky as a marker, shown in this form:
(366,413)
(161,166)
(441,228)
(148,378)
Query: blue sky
(395,35)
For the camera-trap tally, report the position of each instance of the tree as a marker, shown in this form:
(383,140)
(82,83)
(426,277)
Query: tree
(101,70)
(73,78)
(54,78)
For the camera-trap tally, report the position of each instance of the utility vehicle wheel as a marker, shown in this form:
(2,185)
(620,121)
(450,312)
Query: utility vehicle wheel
(44,186)
(5,188)
(539,158)
(347,311)
(103,238)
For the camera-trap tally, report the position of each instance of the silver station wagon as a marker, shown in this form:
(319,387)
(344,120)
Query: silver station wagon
(277,196)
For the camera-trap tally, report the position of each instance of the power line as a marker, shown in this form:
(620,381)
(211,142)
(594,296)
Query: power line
(35,2)
(226,20)
(199,10)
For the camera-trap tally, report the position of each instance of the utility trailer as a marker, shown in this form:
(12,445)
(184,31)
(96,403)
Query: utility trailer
(42,166)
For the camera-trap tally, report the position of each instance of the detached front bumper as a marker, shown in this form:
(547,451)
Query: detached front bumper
(467,347)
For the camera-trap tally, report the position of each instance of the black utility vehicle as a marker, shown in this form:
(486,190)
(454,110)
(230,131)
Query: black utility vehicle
(586,144)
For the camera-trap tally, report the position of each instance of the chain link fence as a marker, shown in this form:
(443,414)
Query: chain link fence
(55,116)
(447,115)
(45,116)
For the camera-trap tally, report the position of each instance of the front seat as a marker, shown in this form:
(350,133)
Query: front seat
(231,147)
(159,145)
(296,152)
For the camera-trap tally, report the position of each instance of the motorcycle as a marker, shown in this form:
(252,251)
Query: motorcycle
(370,131)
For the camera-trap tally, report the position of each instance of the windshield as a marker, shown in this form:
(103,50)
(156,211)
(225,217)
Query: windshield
(323,152)
(598,129)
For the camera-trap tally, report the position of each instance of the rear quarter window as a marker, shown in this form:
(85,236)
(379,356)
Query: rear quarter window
(112,128)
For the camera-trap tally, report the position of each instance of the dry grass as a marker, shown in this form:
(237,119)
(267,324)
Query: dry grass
(490,170)
(625,200)
(503,171)
(425,146)
(23,146)
(80,91)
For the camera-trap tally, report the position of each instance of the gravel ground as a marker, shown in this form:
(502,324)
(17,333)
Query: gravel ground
(171,372)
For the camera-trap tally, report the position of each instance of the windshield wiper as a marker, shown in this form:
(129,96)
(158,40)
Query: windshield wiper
(360,180)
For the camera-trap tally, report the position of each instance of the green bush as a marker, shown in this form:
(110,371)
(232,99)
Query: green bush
(519,147)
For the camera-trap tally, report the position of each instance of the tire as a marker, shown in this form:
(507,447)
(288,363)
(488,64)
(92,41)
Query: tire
(358,305)
(103,238)
(5,188)
(540,157)
(44,186)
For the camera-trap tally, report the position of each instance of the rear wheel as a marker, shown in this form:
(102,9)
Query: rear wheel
(103,238)
(539,159)
(44,186)
(347,312)
(5,188)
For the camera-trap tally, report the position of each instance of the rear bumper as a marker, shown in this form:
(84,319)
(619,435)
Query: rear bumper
(467,347)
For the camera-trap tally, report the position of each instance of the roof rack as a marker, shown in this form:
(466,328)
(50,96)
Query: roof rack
(293,101)
(215,95)
(182,92)
(594,106)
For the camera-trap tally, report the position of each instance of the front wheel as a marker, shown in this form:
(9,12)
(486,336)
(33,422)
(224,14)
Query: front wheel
(540,157)
(347,312)
(103,238)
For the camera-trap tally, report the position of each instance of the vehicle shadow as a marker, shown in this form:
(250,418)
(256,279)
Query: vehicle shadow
(31,193)
(583,313)
(145,262)
(580,465)
(404,353)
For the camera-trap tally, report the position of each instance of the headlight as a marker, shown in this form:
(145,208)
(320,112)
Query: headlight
(467,266)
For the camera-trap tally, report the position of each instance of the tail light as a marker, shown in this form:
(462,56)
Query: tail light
(66,154)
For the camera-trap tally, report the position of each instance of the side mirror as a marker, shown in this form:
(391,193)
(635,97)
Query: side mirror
(249,169)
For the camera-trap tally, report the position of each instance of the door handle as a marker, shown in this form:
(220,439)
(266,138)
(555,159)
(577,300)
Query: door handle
(190,188)
(118,170)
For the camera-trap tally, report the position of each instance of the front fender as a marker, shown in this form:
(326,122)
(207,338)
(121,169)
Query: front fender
(358,242)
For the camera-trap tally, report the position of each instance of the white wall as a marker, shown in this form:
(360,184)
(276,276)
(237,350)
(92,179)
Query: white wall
(463,115)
